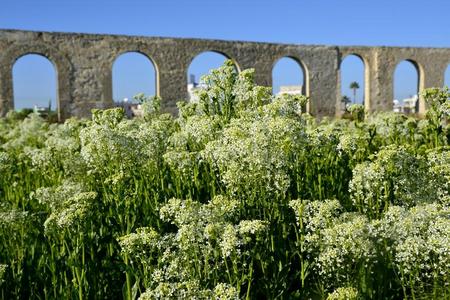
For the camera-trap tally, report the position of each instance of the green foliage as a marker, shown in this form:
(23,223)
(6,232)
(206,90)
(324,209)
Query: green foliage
(357,112)
(244,195)
(395,176)
(347,293)
(438,112)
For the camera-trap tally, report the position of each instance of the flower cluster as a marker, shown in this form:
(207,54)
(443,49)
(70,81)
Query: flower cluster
(256,153)
(415,241)
(439,166)
(207,239)
(344,293)
(340,242)
(3,269)
(191,290)
(395,176)
(112,140)
(70,207)
(5,161)
(418,239)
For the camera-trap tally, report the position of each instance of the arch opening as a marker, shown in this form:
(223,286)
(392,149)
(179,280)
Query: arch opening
(353,81)
(289,77)
(447,76)
(35,86)
(133,73)
(201,65)
(406,87)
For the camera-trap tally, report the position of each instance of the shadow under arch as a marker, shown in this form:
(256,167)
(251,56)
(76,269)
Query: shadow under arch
(366,79)
(63,70)
(420,84)
(143,54)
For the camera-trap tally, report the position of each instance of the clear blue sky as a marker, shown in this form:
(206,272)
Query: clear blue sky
(329,22)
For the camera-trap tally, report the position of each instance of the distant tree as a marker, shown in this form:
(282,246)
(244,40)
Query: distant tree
(346,100)
(354,86)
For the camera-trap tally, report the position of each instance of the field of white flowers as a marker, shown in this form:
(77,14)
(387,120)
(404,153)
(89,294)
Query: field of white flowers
(242,196)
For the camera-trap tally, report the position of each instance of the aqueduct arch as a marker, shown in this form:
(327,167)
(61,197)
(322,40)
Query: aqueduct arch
(83,64)
(301,65)
(137,65)
(366,79)
(63,69)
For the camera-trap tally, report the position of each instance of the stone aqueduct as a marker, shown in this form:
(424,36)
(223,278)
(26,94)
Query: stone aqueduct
(83,63)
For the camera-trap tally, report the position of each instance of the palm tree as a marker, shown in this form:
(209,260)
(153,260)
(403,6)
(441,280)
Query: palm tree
(354,86)
(346,100)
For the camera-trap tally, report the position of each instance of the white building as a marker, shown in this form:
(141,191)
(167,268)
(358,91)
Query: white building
(291,89)
(41,111)
(407,105)
(397,106)
(192,87)
(131,108)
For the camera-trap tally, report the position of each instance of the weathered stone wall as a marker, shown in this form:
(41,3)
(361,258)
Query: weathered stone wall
(84,66)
